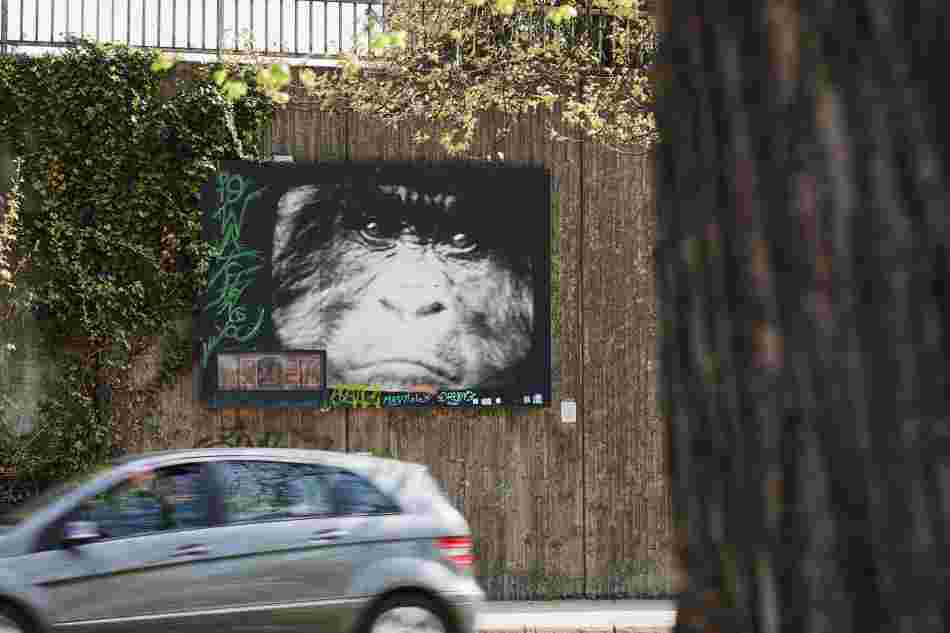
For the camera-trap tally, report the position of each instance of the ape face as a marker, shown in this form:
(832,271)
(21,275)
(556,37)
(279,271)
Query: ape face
(401,287)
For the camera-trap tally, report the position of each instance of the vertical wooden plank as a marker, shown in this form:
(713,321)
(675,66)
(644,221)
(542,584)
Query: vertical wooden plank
(315,429)
(599,398)
(622,434)
(564,546)
(281,126)
(303,133)
(274,428)
(368,430)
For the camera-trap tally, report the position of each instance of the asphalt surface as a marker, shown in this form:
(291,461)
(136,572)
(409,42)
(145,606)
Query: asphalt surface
(577,614)
(568,616)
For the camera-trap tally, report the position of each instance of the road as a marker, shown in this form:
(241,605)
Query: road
(577,614)
(570,616)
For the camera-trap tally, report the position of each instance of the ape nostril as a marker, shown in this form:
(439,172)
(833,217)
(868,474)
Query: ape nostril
(421,309)
(433,308)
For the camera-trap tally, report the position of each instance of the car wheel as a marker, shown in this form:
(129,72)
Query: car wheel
(12,620)
(408,613)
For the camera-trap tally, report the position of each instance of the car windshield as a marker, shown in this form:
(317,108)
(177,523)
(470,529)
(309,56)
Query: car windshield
(23,511)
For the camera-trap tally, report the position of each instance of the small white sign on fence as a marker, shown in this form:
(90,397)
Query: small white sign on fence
(568,411)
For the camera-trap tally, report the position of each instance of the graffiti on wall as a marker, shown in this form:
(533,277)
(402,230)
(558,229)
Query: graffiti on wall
(355,396)
(372,396)
(232,269)
(236,438)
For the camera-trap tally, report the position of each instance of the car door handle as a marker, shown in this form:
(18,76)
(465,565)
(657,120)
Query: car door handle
(190,550)
(331,534)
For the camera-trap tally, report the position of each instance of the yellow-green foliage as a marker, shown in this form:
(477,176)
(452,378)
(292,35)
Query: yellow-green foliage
(447,62)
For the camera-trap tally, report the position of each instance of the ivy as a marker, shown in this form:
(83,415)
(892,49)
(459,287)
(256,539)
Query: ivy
(71,433)
(104,228)
(9,204)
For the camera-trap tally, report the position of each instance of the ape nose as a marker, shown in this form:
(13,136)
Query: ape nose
(415,301)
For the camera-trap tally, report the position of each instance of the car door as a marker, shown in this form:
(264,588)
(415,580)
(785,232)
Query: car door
(154,524)
(281,559)
(375,526)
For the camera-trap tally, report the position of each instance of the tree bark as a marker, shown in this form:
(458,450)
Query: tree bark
(803,239)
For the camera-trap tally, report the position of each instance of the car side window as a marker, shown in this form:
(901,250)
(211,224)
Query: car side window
(269,491)
(356,495)
(170,498)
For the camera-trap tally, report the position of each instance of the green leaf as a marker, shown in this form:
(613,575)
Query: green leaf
(380,41)
(265,79)
(234,90)
(399,39)
(220,76)
(505,7)
(308,78)
(280,75)
(164,62)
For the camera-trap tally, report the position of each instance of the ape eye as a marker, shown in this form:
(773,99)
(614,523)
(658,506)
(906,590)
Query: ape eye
(373,230)
(463,242)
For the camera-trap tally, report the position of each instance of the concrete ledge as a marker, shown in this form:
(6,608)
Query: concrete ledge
(578,616)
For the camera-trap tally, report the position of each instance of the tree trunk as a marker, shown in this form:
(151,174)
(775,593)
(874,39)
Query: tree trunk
(802,265)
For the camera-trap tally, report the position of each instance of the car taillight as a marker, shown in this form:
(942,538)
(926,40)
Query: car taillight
(458,551)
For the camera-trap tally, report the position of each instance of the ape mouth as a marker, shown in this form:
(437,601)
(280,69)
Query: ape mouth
(403,372)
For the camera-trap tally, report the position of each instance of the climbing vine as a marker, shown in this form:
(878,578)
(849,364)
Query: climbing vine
(104,228)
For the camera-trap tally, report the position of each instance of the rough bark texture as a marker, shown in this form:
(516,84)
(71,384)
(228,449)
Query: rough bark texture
(802,272)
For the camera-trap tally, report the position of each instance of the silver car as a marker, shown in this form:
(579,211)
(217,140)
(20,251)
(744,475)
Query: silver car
(256,540)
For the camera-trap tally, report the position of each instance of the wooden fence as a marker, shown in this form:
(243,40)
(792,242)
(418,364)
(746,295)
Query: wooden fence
(558,509)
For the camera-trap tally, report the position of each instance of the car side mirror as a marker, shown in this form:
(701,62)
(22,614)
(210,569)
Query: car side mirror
(77,533)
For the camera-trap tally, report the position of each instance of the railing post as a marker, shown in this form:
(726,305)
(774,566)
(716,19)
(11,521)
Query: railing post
(220,40)
(3,26)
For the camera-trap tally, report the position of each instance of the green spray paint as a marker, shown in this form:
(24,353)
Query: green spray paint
(233,267)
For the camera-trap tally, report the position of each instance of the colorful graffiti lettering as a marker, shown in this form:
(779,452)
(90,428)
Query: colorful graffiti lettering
(457,398)
(408,399)
(233,267)
(357,396)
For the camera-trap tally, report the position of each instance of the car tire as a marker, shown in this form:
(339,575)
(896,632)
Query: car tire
(11,614)
(408,613)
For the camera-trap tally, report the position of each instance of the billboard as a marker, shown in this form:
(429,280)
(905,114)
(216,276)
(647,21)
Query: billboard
(376,284)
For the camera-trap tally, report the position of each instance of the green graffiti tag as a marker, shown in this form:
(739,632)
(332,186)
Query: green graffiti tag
(233,267)
(357,396)
(241,439)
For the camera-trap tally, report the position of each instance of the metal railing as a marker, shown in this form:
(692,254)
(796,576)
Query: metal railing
(306,30)
(316,29)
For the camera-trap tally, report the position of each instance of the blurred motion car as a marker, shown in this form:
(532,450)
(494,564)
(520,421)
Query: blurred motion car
(276,540)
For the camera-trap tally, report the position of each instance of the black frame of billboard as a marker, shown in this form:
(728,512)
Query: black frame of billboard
(234,315)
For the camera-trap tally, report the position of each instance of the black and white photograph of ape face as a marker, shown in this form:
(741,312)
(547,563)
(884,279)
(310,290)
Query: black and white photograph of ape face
(416,278)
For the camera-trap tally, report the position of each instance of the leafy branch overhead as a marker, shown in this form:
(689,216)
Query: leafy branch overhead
(447,62)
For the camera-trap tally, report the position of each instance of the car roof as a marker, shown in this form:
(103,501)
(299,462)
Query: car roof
(379,469)
(330,458)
